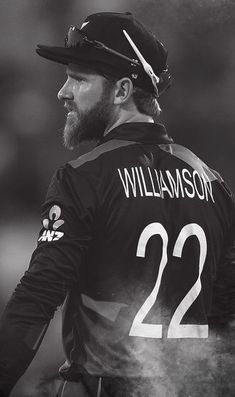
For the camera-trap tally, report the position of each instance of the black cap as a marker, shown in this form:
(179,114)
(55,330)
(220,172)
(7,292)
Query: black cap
(111,30)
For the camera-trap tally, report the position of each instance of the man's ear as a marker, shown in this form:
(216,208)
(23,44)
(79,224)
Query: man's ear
(123,90)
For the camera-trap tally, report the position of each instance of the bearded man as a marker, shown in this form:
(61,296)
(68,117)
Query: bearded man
(137,236)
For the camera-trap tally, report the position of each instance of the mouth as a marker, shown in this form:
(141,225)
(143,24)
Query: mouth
(70,109)
(71,113)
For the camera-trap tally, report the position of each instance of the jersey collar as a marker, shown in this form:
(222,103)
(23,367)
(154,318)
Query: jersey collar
(152,133)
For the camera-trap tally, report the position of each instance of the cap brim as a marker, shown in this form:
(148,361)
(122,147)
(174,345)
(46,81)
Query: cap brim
(66,55)
(57,54)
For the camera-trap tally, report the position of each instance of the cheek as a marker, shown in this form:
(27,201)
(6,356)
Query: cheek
(86,96)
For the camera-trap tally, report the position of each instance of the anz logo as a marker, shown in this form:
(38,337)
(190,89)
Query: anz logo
(51,225)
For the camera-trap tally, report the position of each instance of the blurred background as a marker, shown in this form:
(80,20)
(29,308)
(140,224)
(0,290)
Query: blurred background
(198,112)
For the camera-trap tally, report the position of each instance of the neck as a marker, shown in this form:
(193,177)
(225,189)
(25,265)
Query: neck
(135,118)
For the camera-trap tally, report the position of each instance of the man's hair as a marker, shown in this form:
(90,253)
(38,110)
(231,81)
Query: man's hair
(146,102)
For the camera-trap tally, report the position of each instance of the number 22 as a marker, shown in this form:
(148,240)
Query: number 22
(175,330)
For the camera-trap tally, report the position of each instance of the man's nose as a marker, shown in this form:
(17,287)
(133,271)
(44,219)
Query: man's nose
(65,93)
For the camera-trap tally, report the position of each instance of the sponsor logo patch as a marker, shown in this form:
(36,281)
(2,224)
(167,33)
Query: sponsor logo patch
(52,224)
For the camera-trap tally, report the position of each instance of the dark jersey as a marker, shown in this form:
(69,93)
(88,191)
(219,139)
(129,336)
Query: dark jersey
(135,244)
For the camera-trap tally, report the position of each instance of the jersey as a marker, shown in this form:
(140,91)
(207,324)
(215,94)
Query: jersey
(136,245)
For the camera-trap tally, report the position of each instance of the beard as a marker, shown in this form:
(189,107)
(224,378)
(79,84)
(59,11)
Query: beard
(91,124)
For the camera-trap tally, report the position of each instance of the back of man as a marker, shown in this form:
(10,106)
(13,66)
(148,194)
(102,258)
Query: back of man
(146,284)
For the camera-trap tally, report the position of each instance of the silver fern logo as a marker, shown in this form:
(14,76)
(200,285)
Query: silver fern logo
(51,224)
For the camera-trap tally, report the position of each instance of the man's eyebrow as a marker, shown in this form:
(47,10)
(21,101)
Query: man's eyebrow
(75,75)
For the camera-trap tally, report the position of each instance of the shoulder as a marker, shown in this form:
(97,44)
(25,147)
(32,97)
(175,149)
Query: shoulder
(100,151)
(189,158)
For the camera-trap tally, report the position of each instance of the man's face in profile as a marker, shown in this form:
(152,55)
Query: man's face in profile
(88,98)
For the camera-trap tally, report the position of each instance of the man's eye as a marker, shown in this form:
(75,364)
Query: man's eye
(77,78)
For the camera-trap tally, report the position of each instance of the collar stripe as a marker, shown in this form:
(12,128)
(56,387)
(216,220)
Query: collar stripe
(99,150)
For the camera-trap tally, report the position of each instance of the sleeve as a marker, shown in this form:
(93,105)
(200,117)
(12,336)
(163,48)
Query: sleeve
(67,218)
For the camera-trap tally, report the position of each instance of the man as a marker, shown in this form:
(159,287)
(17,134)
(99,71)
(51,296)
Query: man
(136,240)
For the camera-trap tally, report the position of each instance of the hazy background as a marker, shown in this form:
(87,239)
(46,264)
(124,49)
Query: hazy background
(199,112)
